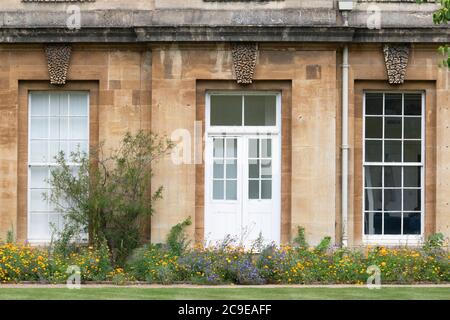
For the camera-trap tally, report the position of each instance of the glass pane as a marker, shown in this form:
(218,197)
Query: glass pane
(253,168)
(266,148)
(412,177)
(393,104)
(218,170)
(373,200)
(393,128)
(253,189)
(218,148)
(39,227)
(392,199)
(54,222)
(374,151)
(39,128)
(260,110)
(393,177)
(39,104)
(411,223)
(266,169)
(64,104)
(373,177)
(231,169)
(226,110)
(392,223)
(38,177)
(54,104)
(413,128)
(253,148)
(374,127)
(413,104)
(231,190)
(54,128)
(374,103)
(218,192)
(266,189)
(78,128)
(393,151)
(373,223)
(231,148)
(37,202)
(78,104)
(76,146)
(38,150)
(64,128)
(412,200)
(413,151)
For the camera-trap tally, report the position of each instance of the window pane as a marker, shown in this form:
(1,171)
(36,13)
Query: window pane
(266,189)
(78,105)
(39,128)
(78,128)
(218,148)
(392,223)
(413,151)
(54,104)
(373,223)
(218,192)
(413,104)
(374,151)
(266,169)
(39,104)
(64,104)
(266,148)
(38,150)
(260,110)
(38,177)
(218,169)
(392,151)
(392,199)
(226,110)
(37,202)
(253,189)
(412,177)
(231,148)
(411,223)
(393,128)
(374,103)
(231,189)
(253,169)
(253,148)
(413,128)
(373,200)
(412,200)
(55,222)
(393,177)
(393,104)
(231,169)
(54,128)
(64,128)
(374,127)
(373,177)
(39,229)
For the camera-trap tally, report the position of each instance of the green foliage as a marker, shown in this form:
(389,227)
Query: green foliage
(106,195)
(10,235)
(324,245)
(300,239)
(176,239)
(434,242)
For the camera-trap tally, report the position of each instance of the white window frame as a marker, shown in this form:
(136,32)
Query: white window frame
(394,239)
(50,163)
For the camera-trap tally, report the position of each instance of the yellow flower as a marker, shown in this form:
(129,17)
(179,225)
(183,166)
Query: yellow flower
(383,264)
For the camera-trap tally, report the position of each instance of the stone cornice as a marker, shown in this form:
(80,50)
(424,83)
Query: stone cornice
(227,34)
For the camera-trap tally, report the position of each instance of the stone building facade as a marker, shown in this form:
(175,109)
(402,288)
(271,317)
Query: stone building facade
(260,89)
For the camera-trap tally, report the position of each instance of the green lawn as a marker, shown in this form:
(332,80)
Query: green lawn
(441,293)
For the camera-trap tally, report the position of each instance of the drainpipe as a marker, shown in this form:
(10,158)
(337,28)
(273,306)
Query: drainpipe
(345,147)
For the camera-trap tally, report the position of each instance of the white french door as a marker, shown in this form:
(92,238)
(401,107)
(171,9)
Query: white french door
(242,185)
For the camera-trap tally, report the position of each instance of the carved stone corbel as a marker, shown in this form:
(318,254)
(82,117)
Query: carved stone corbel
(244,61)
(58,61)
(396,57)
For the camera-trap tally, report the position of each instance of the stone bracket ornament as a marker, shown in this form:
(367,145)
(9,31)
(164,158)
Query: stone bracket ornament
(396,57)
(244,61)
(58,61)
